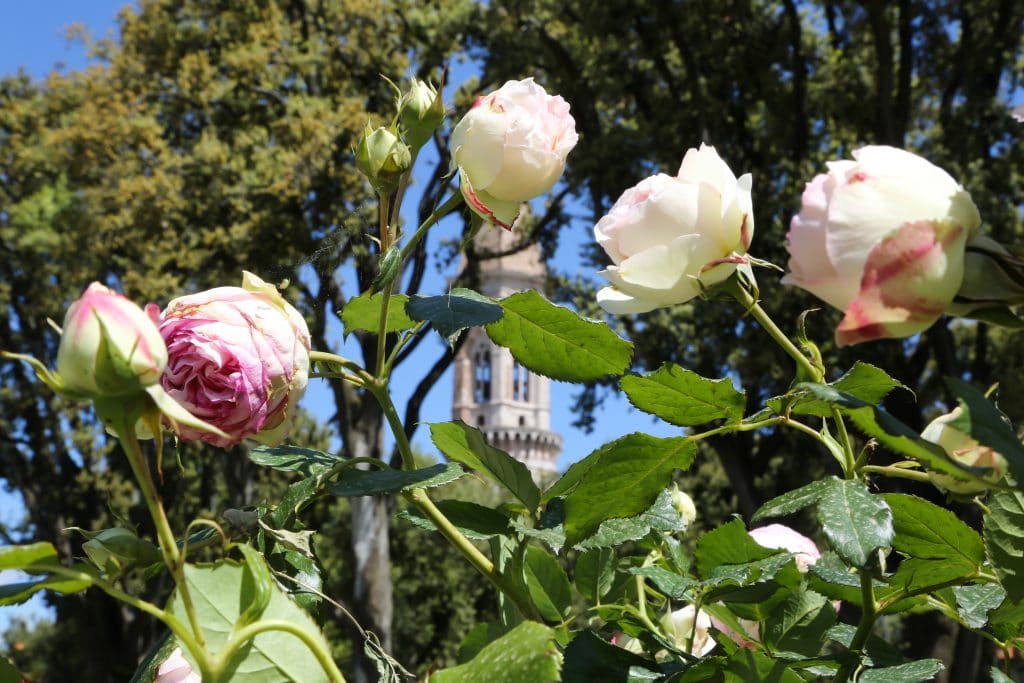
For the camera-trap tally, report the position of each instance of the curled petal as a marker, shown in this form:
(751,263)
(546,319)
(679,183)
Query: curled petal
(909,279)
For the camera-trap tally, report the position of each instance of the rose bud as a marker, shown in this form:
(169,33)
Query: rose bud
(882,239)
(679,627)
(109,347)
(175,669)
(112,352)
(239,359)
(382,157)
(966,451)
(511,147)
(421,111)
(683,504)
(669,238)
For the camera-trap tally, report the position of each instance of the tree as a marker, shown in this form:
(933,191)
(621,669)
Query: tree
(210,139)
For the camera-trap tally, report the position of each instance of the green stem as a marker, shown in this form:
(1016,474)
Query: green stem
(809,431)
(172,622)
(243,635)
(440,212)
(403,183)
(759,314)
(869,612)
(379,389)
(385,244)
(403,341)
(898,472)
(472,553)
(741,427)
(168,544)
(849,463)
(419,498)
(326,357)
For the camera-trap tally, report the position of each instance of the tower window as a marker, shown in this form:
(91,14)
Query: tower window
(480,420)
(482,376)
(522,421)
(520,382)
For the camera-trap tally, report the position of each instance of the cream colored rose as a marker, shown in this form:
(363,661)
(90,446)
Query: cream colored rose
(671,237)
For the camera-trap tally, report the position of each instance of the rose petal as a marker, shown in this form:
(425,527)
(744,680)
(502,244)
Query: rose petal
(909,279)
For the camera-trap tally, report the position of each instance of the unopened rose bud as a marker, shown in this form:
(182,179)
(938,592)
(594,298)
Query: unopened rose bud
(109,346)
(383,158)
(118,550)
(966,451)
(683,505)
(421,111)
(689,630)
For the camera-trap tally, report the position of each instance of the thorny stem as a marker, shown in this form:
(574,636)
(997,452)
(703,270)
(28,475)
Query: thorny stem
(898,472)
(849,464)
(168,544)
(869,612)
(440,212)
(762,317)
(325,357)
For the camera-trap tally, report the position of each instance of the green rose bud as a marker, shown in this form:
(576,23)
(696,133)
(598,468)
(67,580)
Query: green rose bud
(117,550)
(383,158)
(421,111)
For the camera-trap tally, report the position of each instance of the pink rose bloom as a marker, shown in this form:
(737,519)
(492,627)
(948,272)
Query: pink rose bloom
(101,327)
(882,239)
(176,669)
(510,147)
(671,237)
(239,359)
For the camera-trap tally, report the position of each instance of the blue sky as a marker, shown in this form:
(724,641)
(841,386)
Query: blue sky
(32,36)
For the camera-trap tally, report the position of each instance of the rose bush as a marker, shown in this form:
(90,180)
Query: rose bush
(777,537)
(966,451)
(511,147)
(671,237)
(238,358)
(882,239)
(109,346)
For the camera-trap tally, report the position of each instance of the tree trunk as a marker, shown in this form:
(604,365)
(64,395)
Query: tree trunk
(371,590)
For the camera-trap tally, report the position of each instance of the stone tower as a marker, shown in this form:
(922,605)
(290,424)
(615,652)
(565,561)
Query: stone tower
(493,393)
